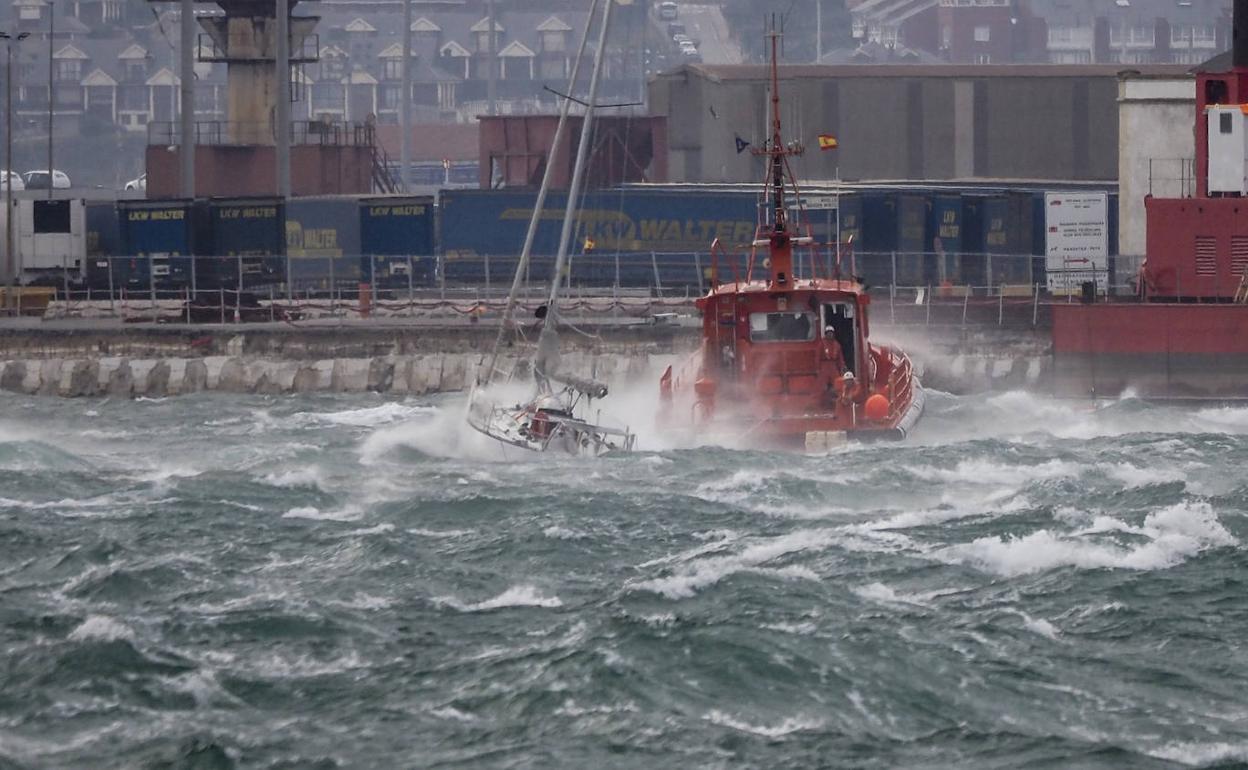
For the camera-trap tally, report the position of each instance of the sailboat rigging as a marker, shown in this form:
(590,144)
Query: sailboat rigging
(550,419)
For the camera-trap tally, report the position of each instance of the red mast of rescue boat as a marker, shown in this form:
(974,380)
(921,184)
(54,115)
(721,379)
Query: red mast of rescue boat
(779,241)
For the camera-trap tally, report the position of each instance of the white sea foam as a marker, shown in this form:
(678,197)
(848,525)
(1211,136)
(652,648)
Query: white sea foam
(439,533)
(1132,476)
(1194,754)
(563,533)
(805,628)
(878,592)
(692,577)
(366,417)
(786,727)
(1039,626)
(378,529)
(516,596)
(311,512)
(101,628)
(308,476)
(452,713)
(1174,534)
(276,666)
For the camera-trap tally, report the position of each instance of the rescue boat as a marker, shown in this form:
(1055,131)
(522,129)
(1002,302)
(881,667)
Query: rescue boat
(786,360)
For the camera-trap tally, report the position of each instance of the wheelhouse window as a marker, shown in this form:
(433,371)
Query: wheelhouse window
(782,327)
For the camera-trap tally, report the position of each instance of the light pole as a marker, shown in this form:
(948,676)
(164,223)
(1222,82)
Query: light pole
(10,271)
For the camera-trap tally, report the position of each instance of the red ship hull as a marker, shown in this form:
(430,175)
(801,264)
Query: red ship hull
(1154,350)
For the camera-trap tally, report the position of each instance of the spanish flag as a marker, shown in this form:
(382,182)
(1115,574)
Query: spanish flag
(827,142)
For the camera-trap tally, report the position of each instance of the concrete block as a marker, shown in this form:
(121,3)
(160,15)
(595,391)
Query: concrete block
(212,371)
(158,379)
(107,366)
(307,379)
(195,378)
(120,379)
(380,374)
(350,375)
(30,377)
(454,372)
(423,374)
(232,376)
(11,375)
(141,369)
(50,376)
(402,372)
(176,382)
(78,378)
(1002,367)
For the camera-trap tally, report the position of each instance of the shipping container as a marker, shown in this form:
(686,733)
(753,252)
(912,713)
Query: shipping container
(103,242)
(157,239)
(912,243)
(253,229)
(323,242)
(103,231)
(876,235)
(943,241)
(1007,234)
(674,225)
(392,229)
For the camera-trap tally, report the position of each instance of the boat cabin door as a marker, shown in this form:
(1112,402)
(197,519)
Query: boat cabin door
(841,319)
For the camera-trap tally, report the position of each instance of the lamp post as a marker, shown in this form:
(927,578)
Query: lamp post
(10,262)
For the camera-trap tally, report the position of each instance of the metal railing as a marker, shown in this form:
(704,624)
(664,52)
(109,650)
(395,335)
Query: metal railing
(222,132)
(990,290)
(1172,177)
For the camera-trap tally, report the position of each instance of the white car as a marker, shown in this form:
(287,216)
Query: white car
(38,180)
(11,178)
(139,183)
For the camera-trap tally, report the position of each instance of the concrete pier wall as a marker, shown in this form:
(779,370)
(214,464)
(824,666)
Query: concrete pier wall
(158,361)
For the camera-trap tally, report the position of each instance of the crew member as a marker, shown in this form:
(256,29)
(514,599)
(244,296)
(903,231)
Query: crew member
(832,351)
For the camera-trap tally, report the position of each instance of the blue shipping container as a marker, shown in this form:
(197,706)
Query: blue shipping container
(943,239)
(158,238)
(476,222)
(253,228)
(323,241)
(911,223)
(393,229)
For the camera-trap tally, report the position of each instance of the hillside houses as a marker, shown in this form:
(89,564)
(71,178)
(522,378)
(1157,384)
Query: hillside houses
(127,75)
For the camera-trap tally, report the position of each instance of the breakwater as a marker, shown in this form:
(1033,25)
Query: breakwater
(74,359)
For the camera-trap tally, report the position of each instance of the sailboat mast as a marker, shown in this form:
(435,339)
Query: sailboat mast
(539,205)
(578,171)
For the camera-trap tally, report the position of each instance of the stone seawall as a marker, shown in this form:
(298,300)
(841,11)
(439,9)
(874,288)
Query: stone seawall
(159,377)
(157,361)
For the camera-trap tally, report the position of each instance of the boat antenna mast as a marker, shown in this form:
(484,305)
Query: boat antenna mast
(777,154)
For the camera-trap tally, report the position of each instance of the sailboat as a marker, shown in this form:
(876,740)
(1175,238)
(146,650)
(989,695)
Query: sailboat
(556,416)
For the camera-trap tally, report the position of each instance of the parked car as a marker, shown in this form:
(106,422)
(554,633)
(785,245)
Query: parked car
(139,183)
(680,38)
(675,28)
(667,10)
(41,180)
(11,178)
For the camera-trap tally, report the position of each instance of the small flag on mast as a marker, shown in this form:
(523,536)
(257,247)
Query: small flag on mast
(827,142)
(741,145)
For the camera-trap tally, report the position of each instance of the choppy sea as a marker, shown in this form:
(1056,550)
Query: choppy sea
(223,581)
